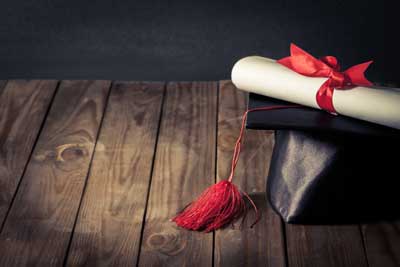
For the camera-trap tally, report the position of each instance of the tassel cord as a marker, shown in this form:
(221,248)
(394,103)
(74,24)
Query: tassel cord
(236,152)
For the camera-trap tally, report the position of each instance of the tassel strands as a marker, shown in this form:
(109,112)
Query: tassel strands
(222,203)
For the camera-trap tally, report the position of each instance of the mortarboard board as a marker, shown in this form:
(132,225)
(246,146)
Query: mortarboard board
(309,119)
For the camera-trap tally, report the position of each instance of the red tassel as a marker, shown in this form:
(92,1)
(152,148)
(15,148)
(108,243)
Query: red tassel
(217,206)
(222,203)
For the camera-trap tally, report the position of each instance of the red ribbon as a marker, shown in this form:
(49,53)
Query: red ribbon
(327,66)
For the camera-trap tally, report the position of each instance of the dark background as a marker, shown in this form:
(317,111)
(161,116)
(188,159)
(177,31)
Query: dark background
(188,40)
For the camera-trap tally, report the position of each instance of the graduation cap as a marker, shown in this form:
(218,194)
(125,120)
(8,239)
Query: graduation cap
(310,119)
(318,161)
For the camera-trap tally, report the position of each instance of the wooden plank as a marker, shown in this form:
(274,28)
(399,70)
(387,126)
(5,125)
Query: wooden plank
(38,228)
(2,85)
(262,245)
(23,106)
(184,167)
(325,245)
(110,222)
(382,243)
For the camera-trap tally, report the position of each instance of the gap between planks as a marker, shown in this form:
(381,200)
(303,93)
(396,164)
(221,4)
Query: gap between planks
(39,224)
(109,224)
(23,104)
(262,245)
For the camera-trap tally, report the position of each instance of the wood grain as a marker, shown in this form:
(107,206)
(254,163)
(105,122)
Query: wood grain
(184,167)
(23,106)
(2,85)
(325,245)
(38,228)
(110,222)
(262,245)
(382,243)
(44,188)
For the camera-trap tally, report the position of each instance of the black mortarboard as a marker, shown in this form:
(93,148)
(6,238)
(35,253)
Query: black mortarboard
(327,168)
(309,119)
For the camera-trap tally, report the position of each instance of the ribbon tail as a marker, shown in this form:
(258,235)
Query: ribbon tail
(303,63)
(356,74)
(296,51)
(287,62)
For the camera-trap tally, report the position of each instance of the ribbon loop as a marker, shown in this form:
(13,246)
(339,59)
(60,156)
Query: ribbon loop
(332,62)
(328,66)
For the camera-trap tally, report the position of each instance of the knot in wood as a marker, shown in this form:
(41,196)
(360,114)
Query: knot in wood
(70,152)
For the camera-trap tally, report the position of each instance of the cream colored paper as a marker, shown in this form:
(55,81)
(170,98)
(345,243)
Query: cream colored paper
(266,77)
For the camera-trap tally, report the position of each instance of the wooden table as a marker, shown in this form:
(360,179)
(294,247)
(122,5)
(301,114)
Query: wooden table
(92,171)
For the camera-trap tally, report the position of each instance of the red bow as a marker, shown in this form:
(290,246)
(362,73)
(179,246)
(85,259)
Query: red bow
(328,66)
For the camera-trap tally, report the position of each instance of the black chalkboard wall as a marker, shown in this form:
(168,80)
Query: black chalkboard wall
(188,40)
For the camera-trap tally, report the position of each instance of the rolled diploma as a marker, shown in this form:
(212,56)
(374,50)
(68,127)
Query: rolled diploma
(265,76)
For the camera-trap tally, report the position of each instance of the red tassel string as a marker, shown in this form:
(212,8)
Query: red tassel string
(222,203)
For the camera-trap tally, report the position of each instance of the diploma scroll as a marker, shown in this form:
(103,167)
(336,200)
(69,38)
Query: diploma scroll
(266,77)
